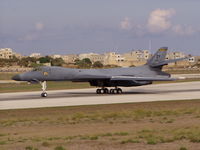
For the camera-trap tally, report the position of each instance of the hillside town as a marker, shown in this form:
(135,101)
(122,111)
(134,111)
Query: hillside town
(12,61)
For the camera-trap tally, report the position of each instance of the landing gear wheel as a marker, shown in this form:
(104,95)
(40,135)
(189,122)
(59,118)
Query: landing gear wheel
(105,91)
(44,94)
(102,91)
(112,91)
(119,91)
(116,91)
(98,91)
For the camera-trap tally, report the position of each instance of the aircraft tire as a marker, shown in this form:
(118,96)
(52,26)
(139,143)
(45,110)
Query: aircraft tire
(112,91)
(119,91)
(105,91)
(115,91)
(98,91)
(101,91)
(44,94)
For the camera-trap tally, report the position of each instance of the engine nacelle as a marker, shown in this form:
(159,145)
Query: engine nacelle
(124,83)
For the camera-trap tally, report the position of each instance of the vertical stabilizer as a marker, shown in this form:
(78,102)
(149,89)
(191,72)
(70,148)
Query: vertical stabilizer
(158,57)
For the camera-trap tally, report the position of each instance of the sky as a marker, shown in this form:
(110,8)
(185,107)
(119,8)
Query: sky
(83,26)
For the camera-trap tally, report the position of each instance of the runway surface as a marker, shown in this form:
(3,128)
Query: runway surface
(155,92)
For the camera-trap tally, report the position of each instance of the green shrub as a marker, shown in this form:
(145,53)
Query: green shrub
(121,133)
(2,142)
(30,148)
(45,144)
(151,141)
(130,141)
(59,148)
(183,148)
(94,138)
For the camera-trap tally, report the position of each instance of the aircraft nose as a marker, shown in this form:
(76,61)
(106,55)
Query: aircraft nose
(17,77)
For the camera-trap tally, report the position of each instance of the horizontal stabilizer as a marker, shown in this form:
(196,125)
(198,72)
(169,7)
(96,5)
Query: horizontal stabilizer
(167,62)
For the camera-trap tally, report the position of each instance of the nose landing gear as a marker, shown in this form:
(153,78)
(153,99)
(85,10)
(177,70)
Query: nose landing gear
(44,87)
(44,94)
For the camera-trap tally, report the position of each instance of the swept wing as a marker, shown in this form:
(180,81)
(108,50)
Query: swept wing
(114,78)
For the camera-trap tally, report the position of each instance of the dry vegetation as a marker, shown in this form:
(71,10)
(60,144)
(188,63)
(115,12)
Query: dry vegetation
(156,126)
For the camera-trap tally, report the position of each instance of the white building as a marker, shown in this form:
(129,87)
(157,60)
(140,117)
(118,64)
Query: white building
(137,55)
(112,58)
(93,57)
(56,56)
(175,55)
(7,53)
(35,55)
(70,59)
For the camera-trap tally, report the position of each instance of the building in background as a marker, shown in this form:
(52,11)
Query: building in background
(70,59)
(93,57)
(132,58)
(137,57)
(175,55)
(56,56)
(97,57)
(191,61)
(7,53)
(36,55)
(112,58)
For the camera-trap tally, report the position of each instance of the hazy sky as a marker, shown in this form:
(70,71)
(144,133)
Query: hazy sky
(78,26)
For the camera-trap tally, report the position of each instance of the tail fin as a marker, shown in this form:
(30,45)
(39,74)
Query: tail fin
(158,60)
(158,57)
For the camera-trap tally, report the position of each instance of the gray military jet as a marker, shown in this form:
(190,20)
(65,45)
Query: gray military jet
(103,78)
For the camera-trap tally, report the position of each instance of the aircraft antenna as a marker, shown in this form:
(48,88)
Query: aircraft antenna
(150,43)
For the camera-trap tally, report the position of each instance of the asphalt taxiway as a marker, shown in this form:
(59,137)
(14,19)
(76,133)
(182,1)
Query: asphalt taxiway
(155,92)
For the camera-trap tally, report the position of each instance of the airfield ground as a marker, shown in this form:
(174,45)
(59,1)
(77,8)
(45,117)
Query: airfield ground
(170,125)
(166,125)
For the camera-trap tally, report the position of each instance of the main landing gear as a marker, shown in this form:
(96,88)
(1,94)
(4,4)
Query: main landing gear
(102,91)
(116,91)
(111,91)
(44,87)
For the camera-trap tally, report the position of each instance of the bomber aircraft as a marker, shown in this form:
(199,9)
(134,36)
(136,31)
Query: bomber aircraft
(103,78)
